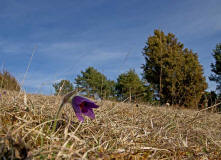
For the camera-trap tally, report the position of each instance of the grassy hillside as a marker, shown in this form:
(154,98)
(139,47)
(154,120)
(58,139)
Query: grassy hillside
(120,131)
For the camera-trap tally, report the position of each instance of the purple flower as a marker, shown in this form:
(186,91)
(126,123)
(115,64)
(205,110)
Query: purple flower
(83,106)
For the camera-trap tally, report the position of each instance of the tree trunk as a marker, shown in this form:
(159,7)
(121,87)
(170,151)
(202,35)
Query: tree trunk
(130,94)
(160,92)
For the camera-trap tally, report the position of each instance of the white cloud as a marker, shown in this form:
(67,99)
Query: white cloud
(35,82)
(75,52)
(193,20)
(15,48)
(63,55)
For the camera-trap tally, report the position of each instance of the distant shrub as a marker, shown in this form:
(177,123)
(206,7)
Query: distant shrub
(63,87)
(8,82)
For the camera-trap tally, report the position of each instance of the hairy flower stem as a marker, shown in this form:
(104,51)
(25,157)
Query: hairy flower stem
(56,118)
(66,99)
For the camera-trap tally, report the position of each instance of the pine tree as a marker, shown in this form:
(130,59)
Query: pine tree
(95,82)
(63,87)
(130,86)
(174,72)
(110,90)
(216,67)
(194,83)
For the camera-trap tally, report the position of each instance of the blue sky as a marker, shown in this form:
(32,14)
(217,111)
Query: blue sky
(109,35)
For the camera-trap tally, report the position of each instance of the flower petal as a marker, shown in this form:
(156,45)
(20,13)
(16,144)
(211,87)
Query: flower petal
(89,113)
(87,103)
(76,107)
(84,106)
(80,117)
(91,105)
(77,110)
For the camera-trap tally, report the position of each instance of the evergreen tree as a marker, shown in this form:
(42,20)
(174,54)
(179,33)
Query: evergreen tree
(194,83)
(208,99)
(110,90)
(95,82)
(174,72)
(216,67)
(130,86)
(8,82)
(63,87)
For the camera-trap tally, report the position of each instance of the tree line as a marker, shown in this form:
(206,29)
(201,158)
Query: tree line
(127,87)
(171,74)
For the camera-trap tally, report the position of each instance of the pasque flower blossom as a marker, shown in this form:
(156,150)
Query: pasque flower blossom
(83,106)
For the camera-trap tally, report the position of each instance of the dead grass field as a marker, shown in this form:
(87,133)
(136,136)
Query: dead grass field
(120,131)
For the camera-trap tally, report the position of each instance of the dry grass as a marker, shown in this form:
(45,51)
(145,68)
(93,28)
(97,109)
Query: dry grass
(120,131)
